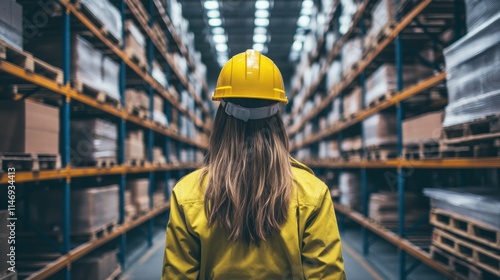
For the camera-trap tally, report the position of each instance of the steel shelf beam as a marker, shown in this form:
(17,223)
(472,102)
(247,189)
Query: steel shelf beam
(451,163)
(391,237)
(363,114)
(363,64)
(82,250)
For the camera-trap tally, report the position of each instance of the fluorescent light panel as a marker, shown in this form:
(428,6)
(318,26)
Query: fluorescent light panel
(303,21)
(259,38)
(262,22)
(221,48)
(215,22)
(260,30)
(261,13)
(213,14)
(262,4)
(211,5)
(219,39)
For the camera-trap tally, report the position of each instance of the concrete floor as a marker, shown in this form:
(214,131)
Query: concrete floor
(148,266)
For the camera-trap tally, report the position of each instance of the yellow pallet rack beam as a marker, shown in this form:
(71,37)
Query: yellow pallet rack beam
(446,163)
(363,64)
(363,114)
(396,240)
(82,250)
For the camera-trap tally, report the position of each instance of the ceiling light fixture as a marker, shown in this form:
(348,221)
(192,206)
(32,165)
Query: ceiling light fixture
(304,21)
(261,13)
(215,22)
(213,14)
(221,48)
(297,46)
(260,30)
(262,22)
(307,3)
(211,5)
(259,38)
(262,4)
(219,39)
(218,30)
(258,47)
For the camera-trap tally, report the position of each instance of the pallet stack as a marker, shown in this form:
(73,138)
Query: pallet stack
(135,148)
(383,209)
(137,103)
(100,265)
(11,23)
(467,230)
(139,194)
(94,143)
(349,187)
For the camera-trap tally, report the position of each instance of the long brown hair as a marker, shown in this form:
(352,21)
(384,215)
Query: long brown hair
(249,175)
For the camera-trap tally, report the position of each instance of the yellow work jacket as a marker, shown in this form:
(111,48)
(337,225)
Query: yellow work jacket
(307,247)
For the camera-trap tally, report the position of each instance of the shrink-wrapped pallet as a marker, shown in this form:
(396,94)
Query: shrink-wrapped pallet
(159,156)
(135,147)
(137,99)
(384,207)
(93,139)
(478,203)
(479,11)
(98,266)
(159,74)
(380,129)
(473,74)
(158,114)
(383,15)
(107,14)
(11,23)
(334,74)
(384,80)
(349,186)
(423,128)
(111,78)
(92,209)
(139,189)
(352,52)
(352,102)
(352,144)
(135,43)
(334,114)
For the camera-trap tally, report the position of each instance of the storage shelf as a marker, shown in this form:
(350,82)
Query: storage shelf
(363,64)
(76,172)
(90,101)
(363,114)
(84,249)
(122,55)
(447,163)
(170,27)
(163,51)
(396,240)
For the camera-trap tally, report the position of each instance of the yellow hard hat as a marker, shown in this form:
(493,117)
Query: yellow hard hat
(250,75)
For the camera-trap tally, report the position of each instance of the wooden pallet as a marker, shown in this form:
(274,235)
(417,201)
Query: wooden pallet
(487,148)
(101,162)
(100,96)
(487,128)
(95,233)
(461,269)
(29,162)
(483,258)
(116,274)
(423,150)
(102,28)
(26,61)
(464,226)
(351,156)
(139,12)
(372,43)
(136,162)
(383,98)
(382,153)
(138,112)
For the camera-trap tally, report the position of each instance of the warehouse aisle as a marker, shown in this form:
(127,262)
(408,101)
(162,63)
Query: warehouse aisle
(148,267)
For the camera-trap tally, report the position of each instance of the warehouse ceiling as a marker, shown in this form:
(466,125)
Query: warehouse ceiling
(238,22)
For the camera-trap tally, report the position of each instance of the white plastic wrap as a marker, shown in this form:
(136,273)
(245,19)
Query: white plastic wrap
(383,13)
(107,14)
(11,23)
(352,144)
(93,139)
(479,11)
(111,78)
(158,74)
(352,52)
(482,204)
(87,63)
(380,129)
(349,186)
(334,114)
(352,101)
(160,117)
(333,75)
(473,74)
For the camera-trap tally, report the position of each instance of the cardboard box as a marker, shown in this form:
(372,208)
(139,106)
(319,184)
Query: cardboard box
(139,189)
(29,127)
(352,102)
(424,128)
(99,265)
(135,42)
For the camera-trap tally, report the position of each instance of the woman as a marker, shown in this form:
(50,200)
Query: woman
(253,212)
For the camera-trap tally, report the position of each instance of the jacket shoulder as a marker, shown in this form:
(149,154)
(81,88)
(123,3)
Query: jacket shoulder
(190,188)
(310,188)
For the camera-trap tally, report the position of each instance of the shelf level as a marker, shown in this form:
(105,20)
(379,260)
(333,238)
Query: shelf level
(84,249)
(448,163)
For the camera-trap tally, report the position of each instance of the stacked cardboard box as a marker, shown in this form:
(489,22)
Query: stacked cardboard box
(334,74)
(29,127)
(92,209)
(158,198)
(98,266)
(135,43)
(380,129)
(137,99)
(472,71)
(89,66)
(130,209)
(328,150)
(349,186)
(383,15)
(423,129)
(352,52)
(159,156)
(159,74)
(352,144)
(92,139)
(383,208)
(352,102)
(134,145)
(139,189)
(11,23)
(334,114)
